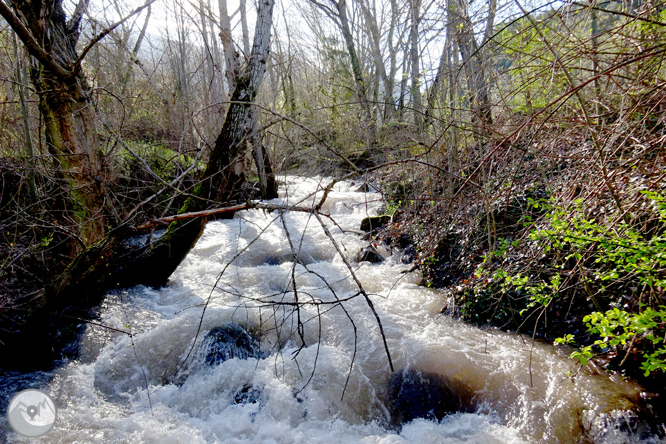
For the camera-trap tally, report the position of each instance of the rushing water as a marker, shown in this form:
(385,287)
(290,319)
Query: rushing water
(136,388)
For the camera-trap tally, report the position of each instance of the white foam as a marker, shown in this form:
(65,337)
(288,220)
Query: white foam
(136,390)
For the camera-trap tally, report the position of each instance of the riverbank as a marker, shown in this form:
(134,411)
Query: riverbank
(553,254)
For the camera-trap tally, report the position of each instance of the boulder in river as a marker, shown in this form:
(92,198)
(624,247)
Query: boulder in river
(374,223)
(248,395)
(227,342)
(369,254)
(415,394)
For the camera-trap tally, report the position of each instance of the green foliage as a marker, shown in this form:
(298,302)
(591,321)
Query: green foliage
(620,252)
(615,253)
(392,207)
(618,328)
(540,293)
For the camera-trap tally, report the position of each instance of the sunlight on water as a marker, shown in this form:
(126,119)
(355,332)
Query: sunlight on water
(124,389)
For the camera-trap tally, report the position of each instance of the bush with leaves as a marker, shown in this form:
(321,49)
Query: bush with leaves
(618,263)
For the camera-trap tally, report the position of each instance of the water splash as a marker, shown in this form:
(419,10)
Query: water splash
(292,392)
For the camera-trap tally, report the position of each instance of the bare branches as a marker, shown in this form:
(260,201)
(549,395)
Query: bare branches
(205,213)
(107,31)
(31,44)
(217,211)
(360,288)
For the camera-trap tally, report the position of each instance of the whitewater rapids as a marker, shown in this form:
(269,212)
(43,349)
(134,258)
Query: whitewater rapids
(149,388)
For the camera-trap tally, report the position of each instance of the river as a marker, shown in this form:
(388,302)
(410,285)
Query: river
(325,381)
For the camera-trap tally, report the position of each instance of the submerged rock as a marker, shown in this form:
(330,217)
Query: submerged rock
(617,426)
(248,395)
(374,223)
(227,342)
(415,394)
(252,396)
(369,254)
(279,260)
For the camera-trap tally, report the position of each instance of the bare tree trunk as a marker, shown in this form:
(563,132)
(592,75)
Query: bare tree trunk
(436,86)
(220,93)
(267,181)
(474,70)
(393,57)
(135,52)
(374,36)
(244,29)
(415,7)
(338,13)
(341,7)
(223,174)
(230,55)
(210,89)
(403,86)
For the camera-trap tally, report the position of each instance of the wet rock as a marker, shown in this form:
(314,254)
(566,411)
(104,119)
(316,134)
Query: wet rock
(279,260)
(252,396)
(227,342)
(374,223)
(409,255)
(369,254)
(415,394)
(303,258)
(248,395)
(617,426)
(274,261)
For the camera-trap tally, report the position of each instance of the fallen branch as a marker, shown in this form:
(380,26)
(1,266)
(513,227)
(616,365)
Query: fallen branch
(205,213)
(215,211)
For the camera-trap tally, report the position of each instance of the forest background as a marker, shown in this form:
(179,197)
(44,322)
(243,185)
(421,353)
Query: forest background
(519,147)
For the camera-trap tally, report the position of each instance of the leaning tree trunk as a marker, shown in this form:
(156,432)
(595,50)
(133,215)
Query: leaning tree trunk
(71,138)
(267,182)
(113,263)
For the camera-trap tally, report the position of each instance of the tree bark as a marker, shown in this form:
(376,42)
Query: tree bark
(223,178)
(67,111)
(113,262)
(230,54)
(267,181)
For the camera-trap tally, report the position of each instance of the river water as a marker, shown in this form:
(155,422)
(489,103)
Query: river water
(322,382)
